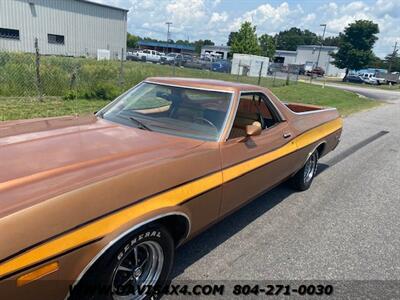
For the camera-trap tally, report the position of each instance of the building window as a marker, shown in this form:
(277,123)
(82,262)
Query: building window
(7,33)
(55,39)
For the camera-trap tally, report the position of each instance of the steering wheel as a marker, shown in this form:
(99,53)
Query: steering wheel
(204,120)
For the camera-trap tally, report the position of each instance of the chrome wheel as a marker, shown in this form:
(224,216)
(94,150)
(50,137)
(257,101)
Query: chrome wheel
(141,266)
(310,168)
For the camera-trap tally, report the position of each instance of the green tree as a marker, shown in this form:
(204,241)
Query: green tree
(267,44)
(231,37)
(200,43)
(131,41)
(246,41)
(183,42)
(392,62)
(290,39)
(356,45)
(332,41)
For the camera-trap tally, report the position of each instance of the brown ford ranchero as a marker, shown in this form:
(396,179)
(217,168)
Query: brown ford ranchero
(94,207)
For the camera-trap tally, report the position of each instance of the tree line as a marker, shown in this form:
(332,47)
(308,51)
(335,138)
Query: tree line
(355,44)
(132,42)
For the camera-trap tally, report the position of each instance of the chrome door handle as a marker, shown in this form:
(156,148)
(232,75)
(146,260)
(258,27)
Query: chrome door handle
(287,135)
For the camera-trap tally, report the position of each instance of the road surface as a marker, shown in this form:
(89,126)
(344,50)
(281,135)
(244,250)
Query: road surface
(370,92)
(347,226)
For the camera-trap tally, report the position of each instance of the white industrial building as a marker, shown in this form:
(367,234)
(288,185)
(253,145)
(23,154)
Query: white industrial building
(285,57)
(62,27)
(249,65)
(308,55)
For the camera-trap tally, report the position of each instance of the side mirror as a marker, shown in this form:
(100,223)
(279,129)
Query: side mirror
(253,130)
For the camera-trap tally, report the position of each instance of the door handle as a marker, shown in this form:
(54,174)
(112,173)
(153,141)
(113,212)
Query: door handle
(287,135)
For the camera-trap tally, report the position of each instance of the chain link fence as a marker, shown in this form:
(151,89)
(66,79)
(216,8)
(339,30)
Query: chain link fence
(50,85)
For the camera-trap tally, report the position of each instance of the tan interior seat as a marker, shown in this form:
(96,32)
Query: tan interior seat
(241,121)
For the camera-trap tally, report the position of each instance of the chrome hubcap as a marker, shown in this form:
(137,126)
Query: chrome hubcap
(310,168)
(140,267)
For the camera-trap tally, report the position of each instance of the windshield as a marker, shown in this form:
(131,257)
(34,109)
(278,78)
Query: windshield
(171,55)
(186,112)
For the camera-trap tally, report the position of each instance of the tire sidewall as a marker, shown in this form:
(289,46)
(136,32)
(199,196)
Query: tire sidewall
(298,182)
(98,281)
(305,183)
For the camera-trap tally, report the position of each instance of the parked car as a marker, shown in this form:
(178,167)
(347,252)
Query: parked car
(275,67)
(223,66)
(100,203)
(172,59)
(197,63)
(318,71)
(354,78)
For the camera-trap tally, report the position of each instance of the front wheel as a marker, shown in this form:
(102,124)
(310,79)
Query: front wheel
(135,269)
(303,178)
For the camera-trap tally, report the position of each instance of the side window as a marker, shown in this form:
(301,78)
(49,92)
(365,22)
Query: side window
(254,109)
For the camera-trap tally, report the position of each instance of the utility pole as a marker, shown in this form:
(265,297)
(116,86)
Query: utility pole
(393,57)
(322,41)
(168,38)
(319,52)
(168,24)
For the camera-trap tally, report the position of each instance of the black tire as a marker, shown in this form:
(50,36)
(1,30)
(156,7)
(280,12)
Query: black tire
(100,281)
(304,177)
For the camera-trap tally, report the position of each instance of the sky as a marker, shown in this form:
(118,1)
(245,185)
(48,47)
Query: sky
(215,19)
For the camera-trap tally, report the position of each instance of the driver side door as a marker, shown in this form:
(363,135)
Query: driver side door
(252,165)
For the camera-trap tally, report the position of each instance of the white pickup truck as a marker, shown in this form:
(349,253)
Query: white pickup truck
(373,78)
(148,55)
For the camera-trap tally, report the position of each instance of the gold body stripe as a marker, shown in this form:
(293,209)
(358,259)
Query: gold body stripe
(169,198)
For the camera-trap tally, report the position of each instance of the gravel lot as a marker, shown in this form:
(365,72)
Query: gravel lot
(345,227)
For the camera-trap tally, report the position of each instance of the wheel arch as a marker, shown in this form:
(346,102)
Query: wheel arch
(321,148)
(178,223)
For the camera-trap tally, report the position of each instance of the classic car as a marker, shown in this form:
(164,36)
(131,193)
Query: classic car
(96,205)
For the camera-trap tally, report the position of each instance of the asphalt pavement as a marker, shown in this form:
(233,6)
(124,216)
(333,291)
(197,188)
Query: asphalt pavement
(345,227)
(370,92)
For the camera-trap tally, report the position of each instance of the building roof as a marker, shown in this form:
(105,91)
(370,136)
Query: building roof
(285,52)
(213,47)
(104,5)
(166,45)
(329,48)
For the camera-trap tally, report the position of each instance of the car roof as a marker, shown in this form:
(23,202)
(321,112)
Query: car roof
(211,84)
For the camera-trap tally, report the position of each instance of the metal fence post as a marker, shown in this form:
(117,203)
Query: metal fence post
(37,66)
(260,73)
(238,72)
(273,81)
(121,70)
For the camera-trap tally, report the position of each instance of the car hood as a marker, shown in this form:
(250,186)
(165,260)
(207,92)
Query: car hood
(37,151)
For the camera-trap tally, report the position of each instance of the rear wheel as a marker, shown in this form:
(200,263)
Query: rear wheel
(133,269)
(303,178)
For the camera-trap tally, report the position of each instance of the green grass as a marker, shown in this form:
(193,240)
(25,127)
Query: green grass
(346,102)
(27,108)
(101,80)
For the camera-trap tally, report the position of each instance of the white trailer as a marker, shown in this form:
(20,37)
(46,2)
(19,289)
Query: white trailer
(249,65)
